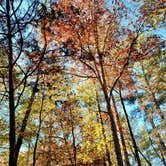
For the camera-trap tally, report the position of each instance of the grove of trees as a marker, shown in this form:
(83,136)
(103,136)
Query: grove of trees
(82,83)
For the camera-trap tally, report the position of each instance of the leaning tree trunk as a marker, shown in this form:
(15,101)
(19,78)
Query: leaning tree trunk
(103,83)
(130,130)
(121,133)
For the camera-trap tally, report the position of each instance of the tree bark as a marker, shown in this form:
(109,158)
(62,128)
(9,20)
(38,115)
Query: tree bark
(12,132)
(114,132)
(103,83)
(127,163)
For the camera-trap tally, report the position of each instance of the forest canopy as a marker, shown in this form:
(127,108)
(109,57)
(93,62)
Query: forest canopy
(82,83)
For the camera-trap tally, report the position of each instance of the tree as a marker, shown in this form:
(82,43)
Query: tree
(19,69)
(151,99)
(91,37)
(67,70)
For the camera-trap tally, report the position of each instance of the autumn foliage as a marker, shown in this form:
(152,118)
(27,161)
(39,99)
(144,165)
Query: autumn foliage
(82,83)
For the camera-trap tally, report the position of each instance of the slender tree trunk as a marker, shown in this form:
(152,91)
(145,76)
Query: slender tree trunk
(49,152)
(12,132)
(155,150)
(104,161)
(24,124)
(103,131)
(102,79)
(148,162)
(130,130)
(114,132)
(74,140)
(29,107)
(74,147)
(127,163)
(38,132)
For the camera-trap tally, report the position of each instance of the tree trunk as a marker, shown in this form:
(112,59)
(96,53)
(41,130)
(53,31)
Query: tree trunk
(131,132)
(12,132)
(49,143)
(38,132)
(24,124)
(117,147)
(121,133)
(155,150)
(148,162)
(73,137)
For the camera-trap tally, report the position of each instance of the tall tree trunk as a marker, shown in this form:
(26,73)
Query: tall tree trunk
(24,123)
(29,107)
(38,132)
(130,130)
(121,133)
(12,132)
(103,84)
(74,147)
(114,132)
(49,143)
